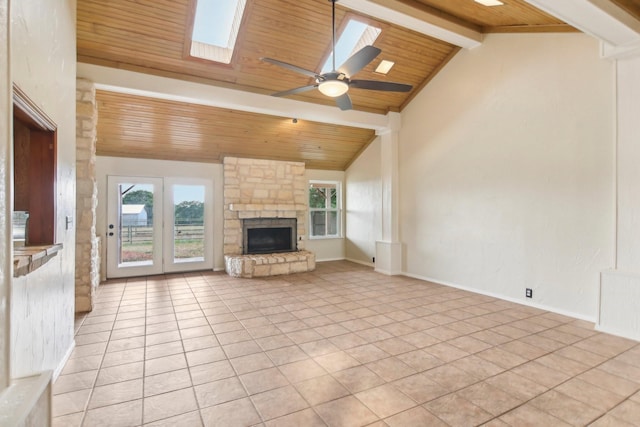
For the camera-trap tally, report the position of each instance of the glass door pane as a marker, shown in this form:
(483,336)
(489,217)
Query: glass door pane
(136,224)
(188,223)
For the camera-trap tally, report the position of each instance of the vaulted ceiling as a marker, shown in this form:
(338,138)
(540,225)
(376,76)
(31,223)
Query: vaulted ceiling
(153,37)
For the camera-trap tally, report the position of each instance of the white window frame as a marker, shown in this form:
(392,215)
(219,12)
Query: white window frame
(337,209)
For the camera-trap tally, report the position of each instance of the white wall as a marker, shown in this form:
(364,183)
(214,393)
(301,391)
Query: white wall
(364,205)
(43,64)
(506,171)
(331,248)
(160,168)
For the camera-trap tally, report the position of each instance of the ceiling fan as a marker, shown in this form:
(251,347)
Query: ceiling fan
(337,82)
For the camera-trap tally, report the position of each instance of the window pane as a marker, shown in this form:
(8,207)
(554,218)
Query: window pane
(332,227)
(318,223)
(317,198)
(324,196)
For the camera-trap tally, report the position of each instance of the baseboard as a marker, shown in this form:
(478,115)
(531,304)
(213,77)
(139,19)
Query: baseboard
(330,259)
(617,332)
(578,316)
(64,361)
(388,272)
(357,261)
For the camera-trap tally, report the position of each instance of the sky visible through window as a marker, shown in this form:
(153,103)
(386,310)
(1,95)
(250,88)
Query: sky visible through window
(188,193)
(181,193)
(213,21)
(345,44)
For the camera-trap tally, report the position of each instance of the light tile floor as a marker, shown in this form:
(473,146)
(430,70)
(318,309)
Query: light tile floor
(341,346)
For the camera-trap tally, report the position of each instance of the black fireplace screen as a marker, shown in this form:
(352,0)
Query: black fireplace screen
(269,235)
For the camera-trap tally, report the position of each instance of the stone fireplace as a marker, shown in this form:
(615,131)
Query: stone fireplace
(265,218)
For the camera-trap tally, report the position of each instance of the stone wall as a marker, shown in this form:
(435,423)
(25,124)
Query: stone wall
(262,189)
(87,275)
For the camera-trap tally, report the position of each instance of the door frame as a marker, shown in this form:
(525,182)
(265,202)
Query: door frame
(115,269)
(162,221)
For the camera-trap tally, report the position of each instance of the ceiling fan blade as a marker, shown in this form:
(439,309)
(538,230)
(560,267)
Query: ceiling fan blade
(290,67)
(344,102)
(378,85)
(294,91)
(359,60)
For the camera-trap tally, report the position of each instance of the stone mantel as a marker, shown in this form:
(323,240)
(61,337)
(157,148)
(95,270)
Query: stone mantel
(280,207)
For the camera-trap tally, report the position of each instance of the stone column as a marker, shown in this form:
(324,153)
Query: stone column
(87,243)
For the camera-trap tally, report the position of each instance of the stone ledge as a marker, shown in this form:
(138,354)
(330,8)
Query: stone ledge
(265,265)
(238,207)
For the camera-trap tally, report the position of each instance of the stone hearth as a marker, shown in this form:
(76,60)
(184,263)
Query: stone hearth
(249,266)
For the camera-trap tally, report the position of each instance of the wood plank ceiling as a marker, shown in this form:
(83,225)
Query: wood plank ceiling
(142,127)
(152,36)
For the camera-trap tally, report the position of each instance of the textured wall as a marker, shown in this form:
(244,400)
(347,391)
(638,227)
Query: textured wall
(506,171)
(43,65)
(364,205)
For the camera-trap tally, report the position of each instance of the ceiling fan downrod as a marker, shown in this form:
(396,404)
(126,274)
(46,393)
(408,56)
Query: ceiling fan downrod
(333,34)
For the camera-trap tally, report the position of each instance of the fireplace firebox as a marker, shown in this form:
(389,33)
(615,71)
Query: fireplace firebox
(269,235)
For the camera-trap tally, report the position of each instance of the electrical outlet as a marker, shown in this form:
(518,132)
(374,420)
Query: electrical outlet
(374,260)
(528,293)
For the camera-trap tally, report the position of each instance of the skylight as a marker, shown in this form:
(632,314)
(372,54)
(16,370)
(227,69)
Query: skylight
(355,36)
(215,29)
(490,2)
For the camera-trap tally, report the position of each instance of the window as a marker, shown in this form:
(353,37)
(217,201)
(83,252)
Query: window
(324,209)
(354,37)
(215,29)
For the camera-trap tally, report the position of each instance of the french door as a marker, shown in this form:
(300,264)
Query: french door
(158,225)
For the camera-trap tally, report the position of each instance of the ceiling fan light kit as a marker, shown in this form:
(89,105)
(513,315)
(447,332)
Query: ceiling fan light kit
(333,88)
(336,83)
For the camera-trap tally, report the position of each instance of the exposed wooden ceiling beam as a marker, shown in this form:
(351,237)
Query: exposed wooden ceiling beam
(601,19)
(123,81)
(417,19)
